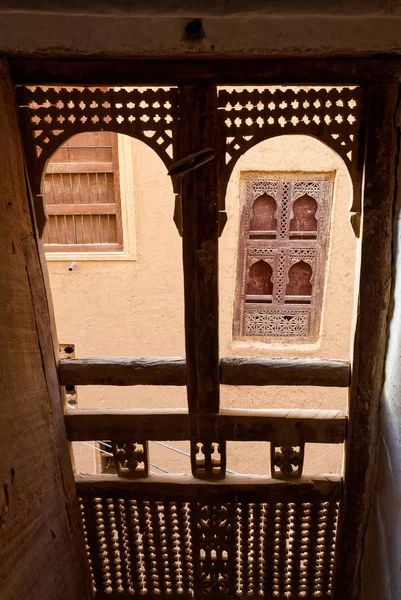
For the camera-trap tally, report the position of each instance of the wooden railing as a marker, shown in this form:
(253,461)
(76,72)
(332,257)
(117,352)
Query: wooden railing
(233,371)
(185,535)
(182,538)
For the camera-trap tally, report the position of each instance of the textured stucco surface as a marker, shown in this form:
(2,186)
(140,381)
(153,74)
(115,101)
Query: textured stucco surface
(135,308)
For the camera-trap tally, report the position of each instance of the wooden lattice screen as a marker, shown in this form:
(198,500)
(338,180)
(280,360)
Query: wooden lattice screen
(209,533)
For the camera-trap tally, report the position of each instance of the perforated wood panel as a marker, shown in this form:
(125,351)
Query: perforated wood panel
(51,115)
(154,539)
(334,115)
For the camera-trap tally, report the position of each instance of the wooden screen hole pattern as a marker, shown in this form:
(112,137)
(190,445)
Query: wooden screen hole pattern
(280,550)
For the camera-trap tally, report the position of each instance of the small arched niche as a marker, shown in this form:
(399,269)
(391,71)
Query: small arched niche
(259,281)
(263,222)
(299,286)
(304,222)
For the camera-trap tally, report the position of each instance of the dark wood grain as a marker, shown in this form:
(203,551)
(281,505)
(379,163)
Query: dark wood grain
(185,71)
(197,131)
(234,488)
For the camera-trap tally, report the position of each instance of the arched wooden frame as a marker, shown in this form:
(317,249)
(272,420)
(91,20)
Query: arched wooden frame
(332,115)
(50,116)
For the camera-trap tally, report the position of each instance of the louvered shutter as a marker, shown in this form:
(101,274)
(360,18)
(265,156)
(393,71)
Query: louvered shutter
(82,196)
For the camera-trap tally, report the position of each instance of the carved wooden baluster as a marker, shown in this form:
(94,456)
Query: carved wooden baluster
(286,461)
(131,459)
(208,459)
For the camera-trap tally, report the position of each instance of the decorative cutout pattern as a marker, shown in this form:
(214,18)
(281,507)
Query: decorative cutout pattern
(191,549)
(215,543)
(51,115)
(333,115)
(287,301)
(208,459)
(293,323)
(131,459)
(287,461)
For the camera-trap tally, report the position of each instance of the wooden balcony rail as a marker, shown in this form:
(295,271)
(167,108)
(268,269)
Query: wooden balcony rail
(179,537)
(233,371)
(184,487)
(281,427)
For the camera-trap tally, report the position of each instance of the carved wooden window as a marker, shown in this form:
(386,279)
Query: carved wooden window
(82,195)
(282,253)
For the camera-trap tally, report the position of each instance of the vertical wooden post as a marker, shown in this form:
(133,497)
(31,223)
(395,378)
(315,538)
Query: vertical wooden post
(42,552)
(370,337)
(199,189)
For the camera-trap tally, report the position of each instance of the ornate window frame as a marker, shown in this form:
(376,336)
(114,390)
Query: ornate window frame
(278,321)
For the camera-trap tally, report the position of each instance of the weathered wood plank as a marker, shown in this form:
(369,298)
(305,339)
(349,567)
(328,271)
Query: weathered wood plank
(234,488)
(283,371)
(233,371)
(370,337)
(184,70)
(41,552)
(200,227)
(122,371)
(285,427)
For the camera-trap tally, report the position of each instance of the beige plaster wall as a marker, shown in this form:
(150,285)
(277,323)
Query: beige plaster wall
(135,307)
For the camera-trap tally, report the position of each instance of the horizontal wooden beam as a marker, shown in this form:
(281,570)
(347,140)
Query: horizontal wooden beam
(234,488)
(122,371)
(188,71)
(233,371)
(108,208)
(283,427)
(285,371)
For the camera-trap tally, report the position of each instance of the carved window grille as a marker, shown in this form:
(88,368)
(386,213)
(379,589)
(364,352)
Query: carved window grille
(331,114)
(81,193)
(282,253)
(51,115)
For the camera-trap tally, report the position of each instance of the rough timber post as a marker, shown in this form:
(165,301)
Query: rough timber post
(199,189)
(370,337)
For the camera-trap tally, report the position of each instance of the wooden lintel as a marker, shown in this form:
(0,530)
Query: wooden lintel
(283,427)
(233,371)
(234,488)
(184,71)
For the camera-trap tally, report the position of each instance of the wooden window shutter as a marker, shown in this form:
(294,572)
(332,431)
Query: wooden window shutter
(282,254)
(82,195)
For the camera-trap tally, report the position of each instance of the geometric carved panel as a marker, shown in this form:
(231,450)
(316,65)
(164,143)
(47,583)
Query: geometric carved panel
(333,115)
(50,115)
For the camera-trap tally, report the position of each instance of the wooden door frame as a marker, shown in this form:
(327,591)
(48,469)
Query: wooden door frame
(382,76)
